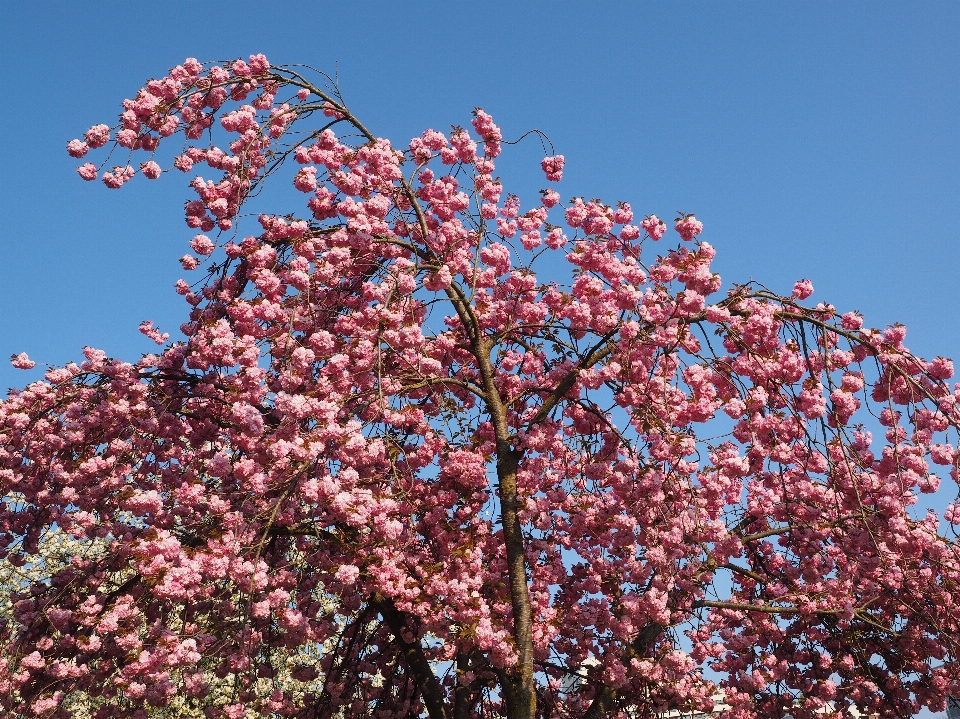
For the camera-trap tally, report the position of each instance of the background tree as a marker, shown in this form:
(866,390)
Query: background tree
(392,472)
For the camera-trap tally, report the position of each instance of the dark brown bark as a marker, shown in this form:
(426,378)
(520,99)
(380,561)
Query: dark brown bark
(430,690)
(464,695)
(518,688)
(520,694)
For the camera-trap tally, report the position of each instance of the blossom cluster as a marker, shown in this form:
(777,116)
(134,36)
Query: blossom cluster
(389,470)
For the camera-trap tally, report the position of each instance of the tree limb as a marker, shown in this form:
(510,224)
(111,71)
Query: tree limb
(430,690)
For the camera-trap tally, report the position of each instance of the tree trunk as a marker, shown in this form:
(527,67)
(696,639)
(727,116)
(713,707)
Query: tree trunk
(521,696)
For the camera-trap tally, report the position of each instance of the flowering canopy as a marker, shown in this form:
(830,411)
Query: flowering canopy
(393,472)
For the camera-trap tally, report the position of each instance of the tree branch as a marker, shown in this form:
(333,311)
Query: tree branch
(600,350)
(763,608)
(430,690)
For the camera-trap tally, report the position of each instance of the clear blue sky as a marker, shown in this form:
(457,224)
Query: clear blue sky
(814,139)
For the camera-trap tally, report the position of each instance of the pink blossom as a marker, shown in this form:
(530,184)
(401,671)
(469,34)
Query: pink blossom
(87,171)
(169,126)
(183,163)
(802,289)
(895,334)
(347,574)
(151,170)
(550,198)
(851,321)
(147,328)
(448,156)
(219,207)
(485,127)
(688,226)
(553,167)
(202,245)
(189,262)
(42,706)
(265,102)
(623,214)
(33,661)
(465,147)
(306,179)
(192,66)
(439,280)
(530,240)
(942,454)
(149,502)
(97,136)
(576,213)
(118,177)
(654,226)
(127,138)
(940,368)
(555,239)
(434,140)
(259,64)
(22,361)
(735,408)
(76,148)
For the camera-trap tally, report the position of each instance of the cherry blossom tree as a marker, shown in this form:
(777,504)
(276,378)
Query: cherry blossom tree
(392,471)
